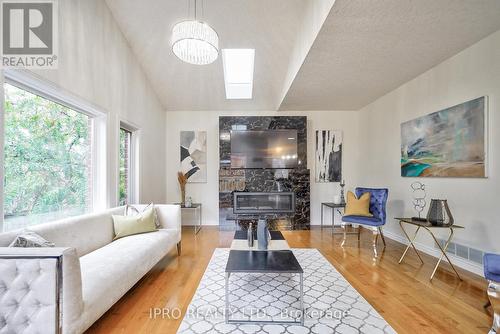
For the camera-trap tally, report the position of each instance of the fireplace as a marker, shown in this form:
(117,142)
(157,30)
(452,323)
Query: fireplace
(263,202)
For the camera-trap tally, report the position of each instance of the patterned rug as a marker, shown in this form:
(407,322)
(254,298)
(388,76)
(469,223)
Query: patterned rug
(332,304)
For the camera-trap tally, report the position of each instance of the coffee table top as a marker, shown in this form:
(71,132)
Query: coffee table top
(282,261)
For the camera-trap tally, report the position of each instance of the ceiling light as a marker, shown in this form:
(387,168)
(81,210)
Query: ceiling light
(195,42)
(238,72)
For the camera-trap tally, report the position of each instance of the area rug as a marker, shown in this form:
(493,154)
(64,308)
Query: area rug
(332,304)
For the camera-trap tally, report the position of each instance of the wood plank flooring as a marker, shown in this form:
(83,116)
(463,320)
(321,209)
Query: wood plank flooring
(401,293)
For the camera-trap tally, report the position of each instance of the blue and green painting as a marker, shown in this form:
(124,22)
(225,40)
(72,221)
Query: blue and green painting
(446,143)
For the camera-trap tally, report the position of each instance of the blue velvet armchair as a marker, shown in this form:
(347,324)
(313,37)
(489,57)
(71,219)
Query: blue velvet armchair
(492,274)
(378,201)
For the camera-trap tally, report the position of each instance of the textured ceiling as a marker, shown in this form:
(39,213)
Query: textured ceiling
(364,48)
(268,26)
(367,48)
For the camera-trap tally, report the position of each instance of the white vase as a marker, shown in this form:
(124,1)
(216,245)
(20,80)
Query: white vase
(336,199)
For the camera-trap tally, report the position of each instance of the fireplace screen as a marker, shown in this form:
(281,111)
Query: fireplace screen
(264,202)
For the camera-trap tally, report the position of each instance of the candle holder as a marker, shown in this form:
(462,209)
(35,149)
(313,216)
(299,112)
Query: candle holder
(342,197)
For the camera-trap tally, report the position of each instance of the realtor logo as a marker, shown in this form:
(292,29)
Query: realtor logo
(29,34)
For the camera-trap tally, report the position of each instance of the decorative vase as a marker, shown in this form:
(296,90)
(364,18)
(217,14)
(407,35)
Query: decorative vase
(183,196)
(439,213)
(262,234)
(250,235)
(337,199)
(189,202)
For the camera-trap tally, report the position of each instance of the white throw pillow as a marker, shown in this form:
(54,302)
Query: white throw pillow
(131,211)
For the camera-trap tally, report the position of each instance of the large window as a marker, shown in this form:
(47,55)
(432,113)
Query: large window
(125,167)
(47,160)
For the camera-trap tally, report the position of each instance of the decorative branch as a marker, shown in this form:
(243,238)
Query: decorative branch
(182,183)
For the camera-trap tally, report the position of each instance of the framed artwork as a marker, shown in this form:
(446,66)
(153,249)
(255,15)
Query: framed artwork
(193,155)
(447,143)
(328,156)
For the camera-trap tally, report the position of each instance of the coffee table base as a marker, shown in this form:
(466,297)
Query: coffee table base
(236,321)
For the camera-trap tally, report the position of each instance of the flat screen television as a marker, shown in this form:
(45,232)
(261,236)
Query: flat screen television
(264,149)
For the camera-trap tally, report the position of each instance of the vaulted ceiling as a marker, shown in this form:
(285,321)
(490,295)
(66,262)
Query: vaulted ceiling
(310,55)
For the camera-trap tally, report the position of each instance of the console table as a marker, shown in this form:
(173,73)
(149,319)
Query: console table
(428,226)
(197,208)
(334,207)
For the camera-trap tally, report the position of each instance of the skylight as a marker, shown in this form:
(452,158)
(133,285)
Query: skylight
(238,72)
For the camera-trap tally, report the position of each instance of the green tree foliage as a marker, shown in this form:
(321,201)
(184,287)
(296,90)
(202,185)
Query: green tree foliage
(47,155)
(124,146)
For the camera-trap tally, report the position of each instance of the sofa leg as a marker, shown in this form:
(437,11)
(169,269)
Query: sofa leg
(494,295)
(179,248)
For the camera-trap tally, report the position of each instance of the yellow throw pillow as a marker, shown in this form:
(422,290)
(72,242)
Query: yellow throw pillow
(358,206)
(143,223)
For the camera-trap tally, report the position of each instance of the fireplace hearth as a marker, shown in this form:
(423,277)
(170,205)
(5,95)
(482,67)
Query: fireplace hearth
(263,202)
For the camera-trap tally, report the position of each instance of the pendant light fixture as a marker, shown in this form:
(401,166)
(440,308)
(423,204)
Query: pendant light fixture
(194,41)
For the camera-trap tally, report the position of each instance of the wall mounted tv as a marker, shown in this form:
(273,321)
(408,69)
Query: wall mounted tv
(264,149)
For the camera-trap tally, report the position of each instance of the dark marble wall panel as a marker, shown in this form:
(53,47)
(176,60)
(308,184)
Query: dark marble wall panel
(296,180)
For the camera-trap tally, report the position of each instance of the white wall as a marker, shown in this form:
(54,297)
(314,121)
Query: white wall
(208,193)
(97,64)
(472,73)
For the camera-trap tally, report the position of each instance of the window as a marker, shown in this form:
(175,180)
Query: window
(125,177)
(47,159)
(238,65)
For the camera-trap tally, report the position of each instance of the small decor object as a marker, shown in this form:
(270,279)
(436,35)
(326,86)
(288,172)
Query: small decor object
(182,184)
(328,155)
(358,206)
(250,235)
(419,196)
(193,155)
(194,41)
(337,199)
(448,143)
(262,234)
(189,202)
(439,213)
(342,197)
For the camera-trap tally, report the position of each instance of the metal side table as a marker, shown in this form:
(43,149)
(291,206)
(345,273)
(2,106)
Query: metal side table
(428,227)
(197,207)
(334,207)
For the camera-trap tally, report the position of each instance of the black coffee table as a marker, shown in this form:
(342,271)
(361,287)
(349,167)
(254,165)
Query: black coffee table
(276,262)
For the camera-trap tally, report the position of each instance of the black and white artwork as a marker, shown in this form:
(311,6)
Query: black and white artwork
(328,155)
(194,155)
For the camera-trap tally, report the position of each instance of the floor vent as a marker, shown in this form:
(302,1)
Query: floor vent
(467,253)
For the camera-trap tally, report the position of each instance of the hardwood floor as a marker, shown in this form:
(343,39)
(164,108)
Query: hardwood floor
(401,293)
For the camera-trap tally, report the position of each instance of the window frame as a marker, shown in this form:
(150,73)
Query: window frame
(134,159)
(34,84)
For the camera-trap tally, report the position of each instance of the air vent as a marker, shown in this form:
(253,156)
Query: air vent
(467,253)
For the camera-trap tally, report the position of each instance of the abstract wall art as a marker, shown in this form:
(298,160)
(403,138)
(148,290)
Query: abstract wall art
(448,143)
(328,155)
(193,150)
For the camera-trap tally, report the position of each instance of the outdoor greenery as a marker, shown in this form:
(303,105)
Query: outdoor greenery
(123,186)
(47,156)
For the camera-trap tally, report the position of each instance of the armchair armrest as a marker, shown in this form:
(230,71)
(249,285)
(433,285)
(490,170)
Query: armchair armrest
(53,278)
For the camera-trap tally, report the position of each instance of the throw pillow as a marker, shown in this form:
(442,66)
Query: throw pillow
(132,211)
(358,206)
(130,225)
(30,239)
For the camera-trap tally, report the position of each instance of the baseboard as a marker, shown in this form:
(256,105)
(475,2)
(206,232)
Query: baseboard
(457,261)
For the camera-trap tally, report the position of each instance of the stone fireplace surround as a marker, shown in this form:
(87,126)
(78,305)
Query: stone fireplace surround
(295,180)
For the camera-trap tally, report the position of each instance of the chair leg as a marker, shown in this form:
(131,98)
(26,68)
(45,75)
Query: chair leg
(345,235)
(359,233)
(179,248)
(374,240)
(381,234)
(494,295)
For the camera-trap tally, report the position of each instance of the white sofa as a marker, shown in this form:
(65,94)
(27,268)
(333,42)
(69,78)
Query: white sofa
(96,271)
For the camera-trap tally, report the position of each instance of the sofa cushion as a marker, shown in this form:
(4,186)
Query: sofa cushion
(30,239)
(109,272)
(130,225)
(84,233)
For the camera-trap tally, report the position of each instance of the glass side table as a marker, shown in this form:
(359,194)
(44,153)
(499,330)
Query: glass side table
(197,208)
